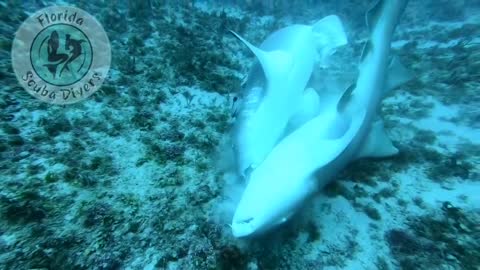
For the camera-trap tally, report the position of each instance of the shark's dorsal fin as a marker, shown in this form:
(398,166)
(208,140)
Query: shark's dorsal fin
(373,14)
(342,103)
(377,143)
(274,63)
(397,74)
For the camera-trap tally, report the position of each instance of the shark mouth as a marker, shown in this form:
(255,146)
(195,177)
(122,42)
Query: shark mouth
(243,227)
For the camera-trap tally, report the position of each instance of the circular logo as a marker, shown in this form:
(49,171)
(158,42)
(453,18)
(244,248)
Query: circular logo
(61,55)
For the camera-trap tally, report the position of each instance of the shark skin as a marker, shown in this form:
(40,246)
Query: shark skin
(285,179)
(310,157)
(275,86)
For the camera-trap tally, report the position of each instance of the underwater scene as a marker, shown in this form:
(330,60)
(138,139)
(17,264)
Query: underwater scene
(303,134)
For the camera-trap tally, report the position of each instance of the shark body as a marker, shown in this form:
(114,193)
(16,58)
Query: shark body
(348,129)
(276,83)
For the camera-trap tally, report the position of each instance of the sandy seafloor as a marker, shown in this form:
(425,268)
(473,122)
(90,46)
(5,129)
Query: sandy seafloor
(138,175)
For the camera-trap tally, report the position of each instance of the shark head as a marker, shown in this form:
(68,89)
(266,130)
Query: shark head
(268,201)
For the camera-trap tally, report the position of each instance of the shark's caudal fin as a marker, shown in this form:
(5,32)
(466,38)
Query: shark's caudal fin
(329,34)
(274,63)
(397,74)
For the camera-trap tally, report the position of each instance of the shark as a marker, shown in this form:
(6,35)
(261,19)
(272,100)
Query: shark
(276,83)
(346,129)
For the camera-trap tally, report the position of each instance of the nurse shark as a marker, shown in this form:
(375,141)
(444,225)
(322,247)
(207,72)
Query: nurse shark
(347,129)
(276,83)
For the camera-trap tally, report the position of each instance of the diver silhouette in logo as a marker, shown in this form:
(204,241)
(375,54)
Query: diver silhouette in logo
(55,59)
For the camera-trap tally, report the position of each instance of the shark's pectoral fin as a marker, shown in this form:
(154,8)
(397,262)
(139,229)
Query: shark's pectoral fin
(397,74)
(274,63)
(377,143)
(329,34)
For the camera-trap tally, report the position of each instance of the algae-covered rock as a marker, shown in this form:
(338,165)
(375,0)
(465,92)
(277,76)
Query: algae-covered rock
(445,237)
